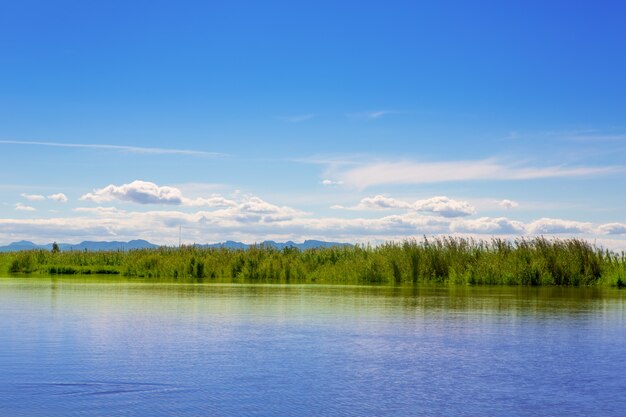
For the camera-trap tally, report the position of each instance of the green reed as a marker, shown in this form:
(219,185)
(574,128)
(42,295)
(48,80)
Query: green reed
(538,261)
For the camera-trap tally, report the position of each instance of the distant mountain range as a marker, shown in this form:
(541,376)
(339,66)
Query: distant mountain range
(144,244)
(307,244)
(86,245)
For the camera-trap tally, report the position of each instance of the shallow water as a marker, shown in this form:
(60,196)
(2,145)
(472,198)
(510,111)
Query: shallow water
(86,347)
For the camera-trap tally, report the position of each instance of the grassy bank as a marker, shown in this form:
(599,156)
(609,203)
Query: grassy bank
(448,260)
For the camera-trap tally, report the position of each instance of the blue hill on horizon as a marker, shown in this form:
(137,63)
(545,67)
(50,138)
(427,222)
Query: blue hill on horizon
(307,244)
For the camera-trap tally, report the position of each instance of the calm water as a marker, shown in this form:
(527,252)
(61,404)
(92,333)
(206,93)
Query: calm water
(75,347)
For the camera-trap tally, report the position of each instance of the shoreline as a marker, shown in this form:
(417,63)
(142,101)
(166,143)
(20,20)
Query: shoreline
(534,262)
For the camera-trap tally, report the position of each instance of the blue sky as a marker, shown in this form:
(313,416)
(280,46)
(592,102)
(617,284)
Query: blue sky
(360,121)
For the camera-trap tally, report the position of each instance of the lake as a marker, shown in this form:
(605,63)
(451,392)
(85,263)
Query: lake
(75,346)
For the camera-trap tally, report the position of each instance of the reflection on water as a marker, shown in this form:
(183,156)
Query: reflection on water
(77,346)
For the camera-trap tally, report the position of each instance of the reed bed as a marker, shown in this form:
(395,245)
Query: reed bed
(532,262)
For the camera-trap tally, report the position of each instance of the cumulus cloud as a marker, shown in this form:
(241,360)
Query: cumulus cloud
(144,192)
(254,219)
(253,210)
(215,201)
(33,197)
(558,226)
(489,225)
(508,204)
(387,227)
(141,192)
(244,210)
(251,218)
(382,202)
(22,207)
(613,229)
(445,207)
(440,205)
(60,197)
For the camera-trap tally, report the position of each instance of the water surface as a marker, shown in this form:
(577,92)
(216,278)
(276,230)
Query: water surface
(77,346)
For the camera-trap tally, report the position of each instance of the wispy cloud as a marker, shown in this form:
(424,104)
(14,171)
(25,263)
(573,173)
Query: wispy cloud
(23,207)
(33,197)
(99,210)
(331,182)
(59,197)
(371,115)
(119,148)
(410,172)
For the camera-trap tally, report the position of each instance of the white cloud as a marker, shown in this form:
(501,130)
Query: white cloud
(557,226)
(251,218)
(408,172)
(489,225)
(144,192)
(60,197)
(121,148)
(372,115)
(445,207)
(22,207)
(99,210)
(33,197)
(254,219)
(508,204)
(382,202)
(364,229)
(252,210)
(377,114)
(214,201)
(331,182)
(141,192)
(200,188)
(613,229)
(440,205)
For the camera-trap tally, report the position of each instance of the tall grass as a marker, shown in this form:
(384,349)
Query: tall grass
(536,261)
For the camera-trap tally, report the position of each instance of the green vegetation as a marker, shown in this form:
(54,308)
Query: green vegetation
(446,260)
